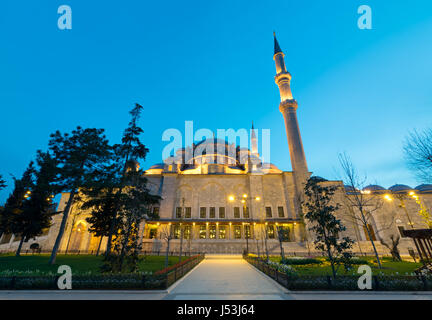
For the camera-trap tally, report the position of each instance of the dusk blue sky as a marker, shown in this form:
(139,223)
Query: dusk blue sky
(359,91)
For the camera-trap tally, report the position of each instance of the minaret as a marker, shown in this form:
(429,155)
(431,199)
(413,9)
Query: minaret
(288,107)
(254,144)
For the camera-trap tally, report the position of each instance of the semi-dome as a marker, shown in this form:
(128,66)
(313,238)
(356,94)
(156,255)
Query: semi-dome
(424,188)
(374,187)
(400,188)
(349,188)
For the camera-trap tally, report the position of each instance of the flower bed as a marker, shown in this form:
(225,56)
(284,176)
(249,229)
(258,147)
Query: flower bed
(133,281)
(289,278)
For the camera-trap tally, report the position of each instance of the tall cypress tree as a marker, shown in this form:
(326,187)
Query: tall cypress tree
(37,209)
(78,154)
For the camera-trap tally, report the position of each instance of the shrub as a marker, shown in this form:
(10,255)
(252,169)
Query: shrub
(300,261)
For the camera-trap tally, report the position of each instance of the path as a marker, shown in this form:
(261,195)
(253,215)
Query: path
(226,277)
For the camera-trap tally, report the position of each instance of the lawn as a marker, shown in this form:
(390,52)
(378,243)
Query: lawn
(389,267)
(38,264)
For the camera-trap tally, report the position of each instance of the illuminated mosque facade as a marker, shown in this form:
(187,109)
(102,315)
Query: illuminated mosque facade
(224,199)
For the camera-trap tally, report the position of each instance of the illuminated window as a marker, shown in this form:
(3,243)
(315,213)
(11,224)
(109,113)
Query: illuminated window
(178,212)
(222,232)
(203,232)
(212,212)
(222,212)
(237,232)
(247,230)
(236,212)
(268,212)
(270,232)
(372,233)
(203,212)
(153,233)
(281,212)
(212,232)
(187,232)
(188,212)
(176,231)
(245,212)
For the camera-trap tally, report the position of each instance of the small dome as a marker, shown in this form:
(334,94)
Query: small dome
(424,188)
(374,187)
(400,188)
(318,178)
(157,166)
(350,188)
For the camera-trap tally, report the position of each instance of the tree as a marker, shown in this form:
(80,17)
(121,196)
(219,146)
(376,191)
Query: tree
(365,205)
(15,202)
(320,212)
(37,210)
(78,154)
(166,233)
(283,235)
(418,154)
(393,247)
(132,197)
(2,183)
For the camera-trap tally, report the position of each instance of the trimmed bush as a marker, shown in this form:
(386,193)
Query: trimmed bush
(300,261)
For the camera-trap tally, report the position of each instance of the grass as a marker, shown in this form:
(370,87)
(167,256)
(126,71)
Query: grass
(389,267)
(80,264)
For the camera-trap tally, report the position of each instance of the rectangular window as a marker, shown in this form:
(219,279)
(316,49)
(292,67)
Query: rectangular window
(247,230)
(246,212)
(178,212)
(237,232)
(203,232)
(177,231)
(212,232)
(236,212)
(270,232)
(153,233)
(203,212)
(281,212)
(187,232)
(156,211)
(222,232)
(372,233)
(188,212)
(212,212)
(222,212)
(268,212)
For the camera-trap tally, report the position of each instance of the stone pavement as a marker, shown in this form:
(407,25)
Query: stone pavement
(226,277)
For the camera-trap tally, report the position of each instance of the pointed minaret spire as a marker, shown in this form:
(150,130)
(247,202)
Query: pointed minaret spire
(288,108)
(277,48)
(254,144)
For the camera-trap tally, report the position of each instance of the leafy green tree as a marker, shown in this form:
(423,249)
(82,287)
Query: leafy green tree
(78,154)
(14,207)
(2,183)
(283,235)
(37,210)
(133,198)
(320,213)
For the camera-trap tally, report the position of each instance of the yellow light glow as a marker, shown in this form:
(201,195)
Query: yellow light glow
(295,223)
(257,198)
(158,223)
(245,195)
(411,193)
(243,201)
(387,197)
(266,223)
(231,198)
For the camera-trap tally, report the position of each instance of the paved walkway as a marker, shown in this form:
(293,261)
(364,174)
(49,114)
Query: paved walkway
(226,277)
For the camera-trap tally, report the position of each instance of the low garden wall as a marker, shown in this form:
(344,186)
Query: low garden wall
(135,281)
(287,277)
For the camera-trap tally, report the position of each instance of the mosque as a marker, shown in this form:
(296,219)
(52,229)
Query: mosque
(220,198)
